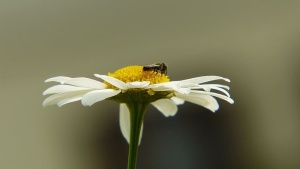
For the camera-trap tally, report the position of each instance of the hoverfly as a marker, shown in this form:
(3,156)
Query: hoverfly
(157,68)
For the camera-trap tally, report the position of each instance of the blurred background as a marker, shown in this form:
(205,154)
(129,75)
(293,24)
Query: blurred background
(254,43)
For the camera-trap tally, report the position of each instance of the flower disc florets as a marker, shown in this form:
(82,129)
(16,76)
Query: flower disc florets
(136,74)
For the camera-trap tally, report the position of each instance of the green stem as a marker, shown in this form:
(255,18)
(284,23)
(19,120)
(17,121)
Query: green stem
(137,111)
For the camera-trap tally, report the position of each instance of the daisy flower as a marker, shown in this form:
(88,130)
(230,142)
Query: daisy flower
(135,88)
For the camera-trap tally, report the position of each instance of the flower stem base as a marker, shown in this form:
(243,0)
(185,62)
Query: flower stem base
(137,112)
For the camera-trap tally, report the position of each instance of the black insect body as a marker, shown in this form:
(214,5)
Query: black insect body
(157,68)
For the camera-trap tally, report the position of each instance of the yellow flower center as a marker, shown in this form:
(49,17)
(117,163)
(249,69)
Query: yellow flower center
(136,73)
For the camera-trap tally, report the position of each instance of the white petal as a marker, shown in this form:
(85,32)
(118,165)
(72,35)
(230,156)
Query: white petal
(209,85)
(98,95)
(177,100)
(228,99)
(116,82)
(208,88)
(222,90)
(60,79)
(183,90)
(170,86)
(206,101)
(66,101)
(53,99)
(125,123)
(217,85)
(166,106)
(63,89)
(160,87)
(204,79)
(86,82)
(138,84)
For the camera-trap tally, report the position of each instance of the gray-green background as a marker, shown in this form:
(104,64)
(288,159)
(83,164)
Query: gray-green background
(254,43)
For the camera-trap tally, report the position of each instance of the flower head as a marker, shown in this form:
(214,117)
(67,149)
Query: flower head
(132,84)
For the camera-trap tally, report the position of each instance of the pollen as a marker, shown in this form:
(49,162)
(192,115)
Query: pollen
(136,73)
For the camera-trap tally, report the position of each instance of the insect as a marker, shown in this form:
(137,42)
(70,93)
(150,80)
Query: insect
(157,68)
